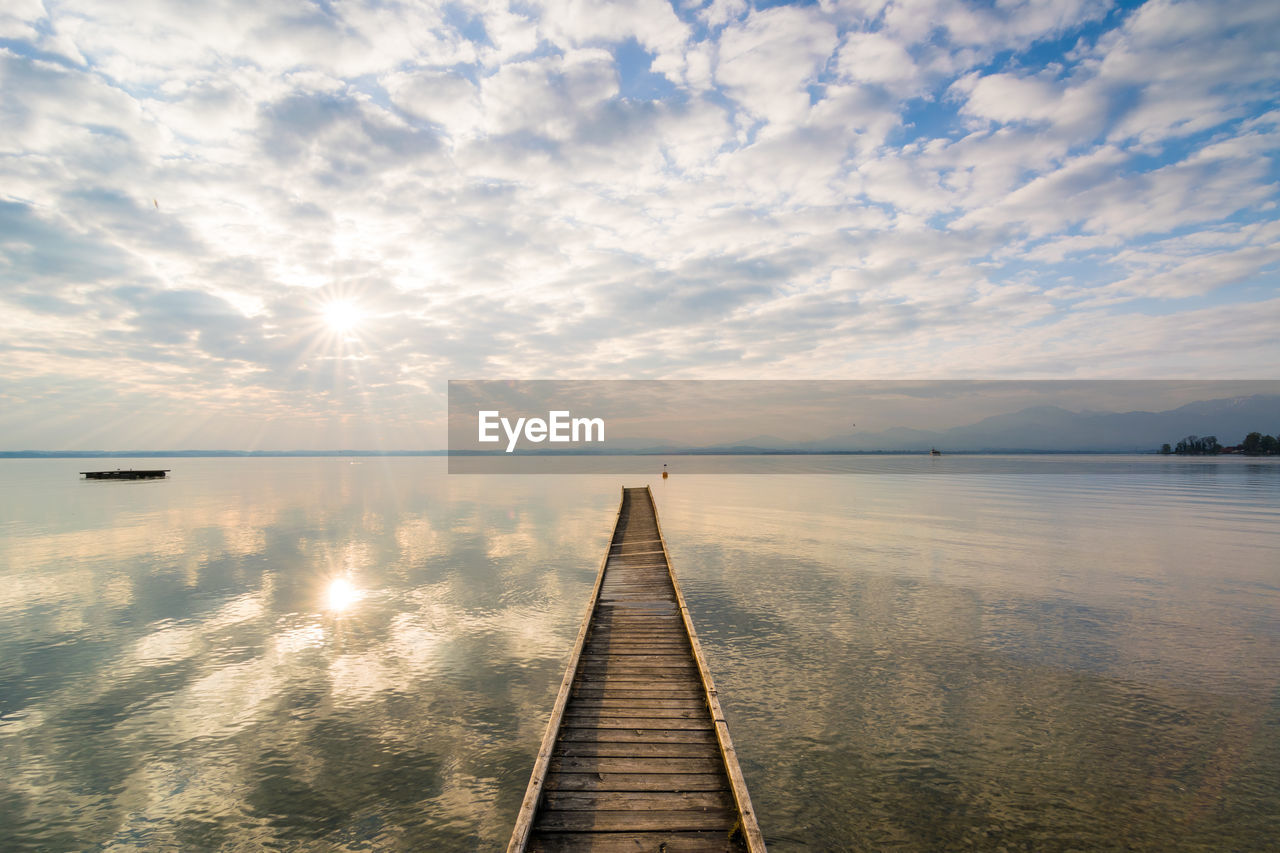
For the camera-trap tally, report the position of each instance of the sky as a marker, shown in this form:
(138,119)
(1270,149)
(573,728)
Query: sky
(287,225)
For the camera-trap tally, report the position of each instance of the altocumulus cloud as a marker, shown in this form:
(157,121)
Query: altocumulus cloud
(633,188)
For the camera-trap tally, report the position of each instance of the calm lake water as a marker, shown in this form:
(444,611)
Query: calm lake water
(987,653)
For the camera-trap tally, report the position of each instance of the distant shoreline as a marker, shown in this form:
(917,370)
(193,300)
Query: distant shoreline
(269,454)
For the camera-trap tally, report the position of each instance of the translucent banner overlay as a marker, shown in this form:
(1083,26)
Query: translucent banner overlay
(777,426)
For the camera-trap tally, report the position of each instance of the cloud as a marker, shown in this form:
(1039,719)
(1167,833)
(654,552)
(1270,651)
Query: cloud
(902,188)
(1187,62)
(873,57)
(338,138)
(766,62)
(717,13)
(576,23)
(1010,99)
(1011,25)
(544,96)
(446,98)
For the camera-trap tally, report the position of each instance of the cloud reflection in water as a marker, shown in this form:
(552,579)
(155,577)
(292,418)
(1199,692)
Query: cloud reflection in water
(292,653)
(301,654)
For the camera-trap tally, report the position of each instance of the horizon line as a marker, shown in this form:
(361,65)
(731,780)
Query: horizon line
(708,451)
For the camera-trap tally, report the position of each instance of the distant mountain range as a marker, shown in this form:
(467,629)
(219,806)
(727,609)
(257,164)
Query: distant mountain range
(1050,428)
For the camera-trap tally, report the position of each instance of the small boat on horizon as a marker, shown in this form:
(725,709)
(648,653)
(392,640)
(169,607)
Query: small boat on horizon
(155,474)
(935,452)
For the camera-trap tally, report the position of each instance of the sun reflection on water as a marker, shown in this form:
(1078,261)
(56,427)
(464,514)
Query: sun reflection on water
(341,595)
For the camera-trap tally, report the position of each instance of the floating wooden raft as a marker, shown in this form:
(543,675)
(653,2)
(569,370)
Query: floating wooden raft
(637,756)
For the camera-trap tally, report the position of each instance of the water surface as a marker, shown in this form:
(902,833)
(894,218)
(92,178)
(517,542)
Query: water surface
(314,654)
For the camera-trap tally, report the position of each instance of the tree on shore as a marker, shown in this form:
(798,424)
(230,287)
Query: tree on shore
(1254,444)
(1194,445)
(1257,444)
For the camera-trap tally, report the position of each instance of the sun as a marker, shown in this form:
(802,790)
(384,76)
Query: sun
(341,315)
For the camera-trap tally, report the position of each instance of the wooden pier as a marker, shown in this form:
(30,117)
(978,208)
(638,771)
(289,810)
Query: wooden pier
(637,756)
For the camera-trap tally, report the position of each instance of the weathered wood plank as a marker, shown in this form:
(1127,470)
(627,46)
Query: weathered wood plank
(624,575)
(636,722)
(586,704)
(591,734)
(638,662)
(636,576)
(629,573)
(605,652)
(669,687)
(645,801)
(617,597)
(653,589)
(627,623)
(632,673)
(609,617)
(625,636)
(635,609)
(638,584)
(622,645)
(637,659)
(640,649)
(622,821)
(625,667)
(637,782)
(636,647)
(659,764)
(596,690)
(631,842)
(673,631)
(654,705)
(619,673)
(672,688)
(619,617)
(627,749)
(593,715)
